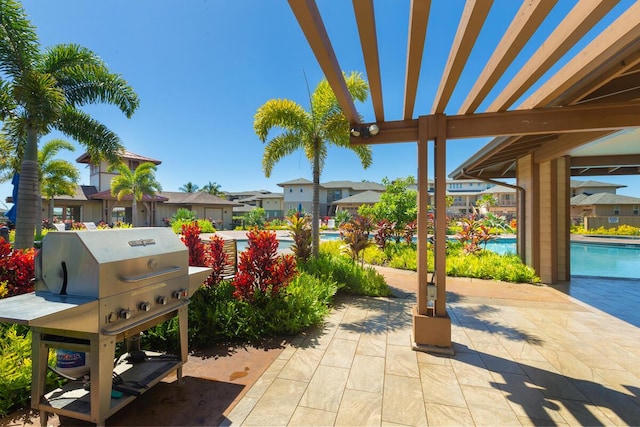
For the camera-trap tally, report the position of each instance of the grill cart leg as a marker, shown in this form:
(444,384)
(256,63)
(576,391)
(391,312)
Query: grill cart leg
(101,377)
(39,360)
(183,319)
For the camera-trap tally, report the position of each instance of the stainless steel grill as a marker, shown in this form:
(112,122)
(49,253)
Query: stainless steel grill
(94,289)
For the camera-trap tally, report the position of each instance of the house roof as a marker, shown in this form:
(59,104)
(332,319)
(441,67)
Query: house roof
(497,189)
(297,181)
(82,193)
(604,199)
(354,185)
(197,198)
(128,155)
(368,196)
(586,184)
(106,195)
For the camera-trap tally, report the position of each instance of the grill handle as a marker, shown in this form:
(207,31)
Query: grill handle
(134,279)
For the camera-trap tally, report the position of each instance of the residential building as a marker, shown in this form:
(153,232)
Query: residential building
(94,202)
(605,210)
(351,204)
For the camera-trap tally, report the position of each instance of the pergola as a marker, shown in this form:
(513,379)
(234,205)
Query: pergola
(586,102)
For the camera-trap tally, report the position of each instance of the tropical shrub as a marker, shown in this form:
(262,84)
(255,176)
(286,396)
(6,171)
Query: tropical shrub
(204,225)
(17,269)
(383,232)
(355,236)
(474,233)
(489,265)
(15,368)
(261,273)
(201,254)
(350,277)
(255,218)
(300,231)
(342,216)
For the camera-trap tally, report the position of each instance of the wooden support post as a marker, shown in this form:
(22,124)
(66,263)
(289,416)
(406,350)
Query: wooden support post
(423,202)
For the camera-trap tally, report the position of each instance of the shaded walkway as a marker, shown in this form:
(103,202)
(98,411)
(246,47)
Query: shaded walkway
(525,355)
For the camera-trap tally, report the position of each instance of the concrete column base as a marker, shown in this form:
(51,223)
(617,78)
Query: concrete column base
(431,334)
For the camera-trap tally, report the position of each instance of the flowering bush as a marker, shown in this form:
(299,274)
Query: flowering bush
(260,271)
(17,269)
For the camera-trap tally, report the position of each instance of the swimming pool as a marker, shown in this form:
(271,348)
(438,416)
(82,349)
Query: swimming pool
(587,259)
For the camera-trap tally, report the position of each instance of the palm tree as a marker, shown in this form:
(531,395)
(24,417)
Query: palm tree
(57,177)
(212,188)
(311,131)
(137,183)
(189,187)
(44,90)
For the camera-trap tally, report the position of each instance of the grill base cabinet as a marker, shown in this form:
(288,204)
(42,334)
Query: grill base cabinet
(93,290)
(97,403)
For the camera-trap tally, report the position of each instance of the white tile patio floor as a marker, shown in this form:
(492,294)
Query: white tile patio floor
(525,355)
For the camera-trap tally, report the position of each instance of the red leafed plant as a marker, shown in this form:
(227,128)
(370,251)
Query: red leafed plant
(260,271)
(17,269)
(205,254)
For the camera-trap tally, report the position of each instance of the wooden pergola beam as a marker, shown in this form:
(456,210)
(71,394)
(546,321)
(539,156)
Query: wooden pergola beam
(471,22)
(365,17)
(525,23)
(310,21)
(538,121)
(622,33)
(603,161)
(578,21)
(418,20)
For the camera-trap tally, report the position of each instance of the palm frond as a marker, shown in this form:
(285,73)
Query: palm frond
(85,78)
(101,143)
(279,113)
(279,147)
(19,48)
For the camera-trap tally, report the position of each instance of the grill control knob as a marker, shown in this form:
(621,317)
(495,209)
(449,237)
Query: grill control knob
(145,306)
(182,293)
(125,314)
(162,301)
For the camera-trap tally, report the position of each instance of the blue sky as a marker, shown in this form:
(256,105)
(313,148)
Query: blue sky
(202,68)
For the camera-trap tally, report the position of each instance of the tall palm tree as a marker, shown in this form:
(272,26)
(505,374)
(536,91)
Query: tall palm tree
(57,177)
(44,90)
(212,188)
(311,131)
(189,187)
(137,183)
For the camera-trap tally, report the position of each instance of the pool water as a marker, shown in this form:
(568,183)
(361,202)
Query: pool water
(587,259)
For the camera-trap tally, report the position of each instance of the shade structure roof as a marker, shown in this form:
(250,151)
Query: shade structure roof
(587,106)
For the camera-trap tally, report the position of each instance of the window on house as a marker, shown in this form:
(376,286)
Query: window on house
(301,190)
(291,190)
(616,210)
(636,209)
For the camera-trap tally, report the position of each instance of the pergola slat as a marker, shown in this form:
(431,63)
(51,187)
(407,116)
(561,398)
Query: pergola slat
(418,21)
(471,22)
(578,21)
(525,23)
(308,16)
(365,17)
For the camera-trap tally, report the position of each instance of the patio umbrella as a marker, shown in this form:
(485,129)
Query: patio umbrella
(11,213)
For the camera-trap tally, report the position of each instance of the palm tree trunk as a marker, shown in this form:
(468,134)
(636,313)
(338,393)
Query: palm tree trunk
(315,217)
(39,216)
(134,210)
(28,193)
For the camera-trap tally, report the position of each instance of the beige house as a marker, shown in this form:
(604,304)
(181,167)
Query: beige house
(94,202)
(605,210)
(351,204)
